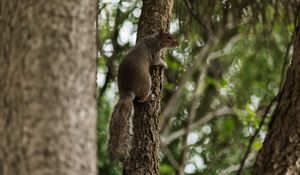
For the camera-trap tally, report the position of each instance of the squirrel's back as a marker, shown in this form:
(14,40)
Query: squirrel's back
(133,73)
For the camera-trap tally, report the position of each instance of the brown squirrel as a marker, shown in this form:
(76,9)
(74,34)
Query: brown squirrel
(134,81)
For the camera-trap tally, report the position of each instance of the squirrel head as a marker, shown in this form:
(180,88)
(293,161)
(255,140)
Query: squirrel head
(167,39)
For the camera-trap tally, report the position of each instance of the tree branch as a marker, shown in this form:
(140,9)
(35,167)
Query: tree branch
(233,168)
(196,98)
(170,157)
(174,102)
(226,50)
(208,117)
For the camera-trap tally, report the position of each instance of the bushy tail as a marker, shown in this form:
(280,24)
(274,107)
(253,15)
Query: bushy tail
(120,129)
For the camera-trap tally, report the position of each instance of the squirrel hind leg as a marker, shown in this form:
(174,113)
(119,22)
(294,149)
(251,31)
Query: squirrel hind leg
(149,97)
(127,95)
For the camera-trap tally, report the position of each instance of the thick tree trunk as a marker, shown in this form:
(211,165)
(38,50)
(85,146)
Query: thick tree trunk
(47,87)
(281,150)
(144,157)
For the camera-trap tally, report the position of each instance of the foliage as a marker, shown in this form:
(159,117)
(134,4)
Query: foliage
(242,71)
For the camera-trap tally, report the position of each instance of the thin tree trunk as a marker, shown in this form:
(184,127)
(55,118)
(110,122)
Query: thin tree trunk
(47,87)
(144,157)
(281,150)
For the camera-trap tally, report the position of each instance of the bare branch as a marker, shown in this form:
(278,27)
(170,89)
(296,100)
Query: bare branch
(196,98)
(170,157)
(173,104)
(249,161)
(226,50)
(208,117)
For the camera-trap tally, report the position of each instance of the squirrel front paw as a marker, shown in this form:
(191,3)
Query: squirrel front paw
(160,62)
(164,64)
(151,97)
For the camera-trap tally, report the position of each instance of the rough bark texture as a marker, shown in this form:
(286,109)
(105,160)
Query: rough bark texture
(144,156)
(47,85)
(280,154)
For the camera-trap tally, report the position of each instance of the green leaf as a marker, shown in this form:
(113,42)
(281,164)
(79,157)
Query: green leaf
(166,169)
(257,145)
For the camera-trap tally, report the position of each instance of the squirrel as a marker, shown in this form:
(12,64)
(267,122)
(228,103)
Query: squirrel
(134,82)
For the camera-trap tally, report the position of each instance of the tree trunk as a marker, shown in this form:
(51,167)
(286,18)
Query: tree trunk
(281,150)
(144,156)
(47,87)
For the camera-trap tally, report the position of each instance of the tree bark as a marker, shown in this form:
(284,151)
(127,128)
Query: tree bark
(144,156)
(48,89)
(280,153)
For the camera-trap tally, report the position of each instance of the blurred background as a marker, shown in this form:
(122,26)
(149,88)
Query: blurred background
(225,73)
